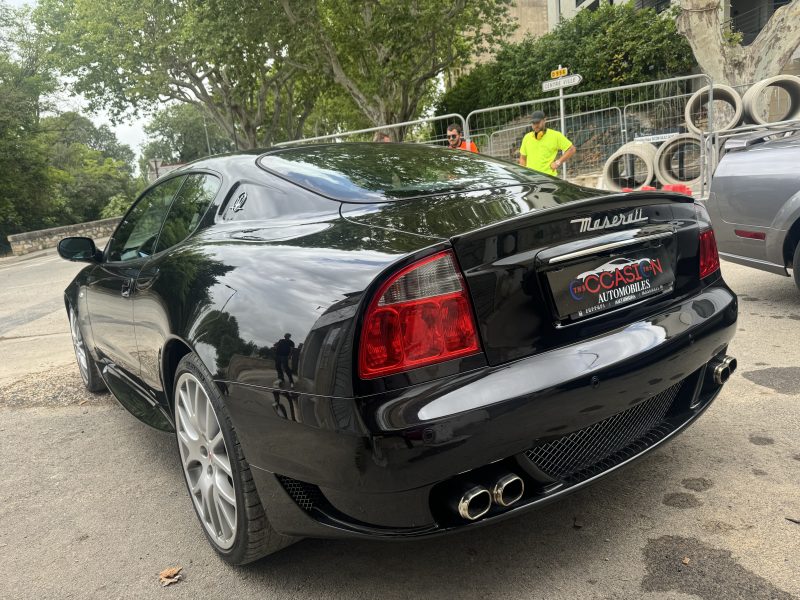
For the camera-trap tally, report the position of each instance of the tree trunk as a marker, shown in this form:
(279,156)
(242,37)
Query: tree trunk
(731,63)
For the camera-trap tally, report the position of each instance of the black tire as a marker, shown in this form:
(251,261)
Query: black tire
(796,266)
(90,374)
(254,536)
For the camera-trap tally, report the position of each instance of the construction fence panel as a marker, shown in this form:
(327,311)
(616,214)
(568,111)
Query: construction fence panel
(761,110)
(430,130)
(601,122)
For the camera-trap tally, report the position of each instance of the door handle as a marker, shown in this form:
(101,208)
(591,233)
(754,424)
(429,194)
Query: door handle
(126,288)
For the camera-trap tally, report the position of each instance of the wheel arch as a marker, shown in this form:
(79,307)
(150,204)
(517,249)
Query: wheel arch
(174,350)
(787,224)
(790,242)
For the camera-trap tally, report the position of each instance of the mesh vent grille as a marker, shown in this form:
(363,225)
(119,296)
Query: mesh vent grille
(627,432)
(306,495)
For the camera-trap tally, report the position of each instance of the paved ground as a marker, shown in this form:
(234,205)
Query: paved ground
(92,504)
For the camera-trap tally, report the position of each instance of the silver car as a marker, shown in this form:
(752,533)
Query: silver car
(754,201)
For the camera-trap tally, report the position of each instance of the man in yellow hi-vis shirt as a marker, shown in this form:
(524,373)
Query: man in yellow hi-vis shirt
(540,147)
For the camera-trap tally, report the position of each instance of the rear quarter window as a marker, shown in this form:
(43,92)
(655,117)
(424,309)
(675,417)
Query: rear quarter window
(250,201)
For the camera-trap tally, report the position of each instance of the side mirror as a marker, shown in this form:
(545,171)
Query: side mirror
(79,249)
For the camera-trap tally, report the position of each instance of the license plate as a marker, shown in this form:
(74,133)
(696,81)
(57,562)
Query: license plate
(599,285)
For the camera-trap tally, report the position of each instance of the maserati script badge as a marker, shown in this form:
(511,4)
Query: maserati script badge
(587,224)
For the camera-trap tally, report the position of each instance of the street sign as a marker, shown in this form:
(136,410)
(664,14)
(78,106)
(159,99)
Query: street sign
(561,82)
(560,72)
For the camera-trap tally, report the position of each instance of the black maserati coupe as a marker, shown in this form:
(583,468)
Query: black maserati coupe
(397,341)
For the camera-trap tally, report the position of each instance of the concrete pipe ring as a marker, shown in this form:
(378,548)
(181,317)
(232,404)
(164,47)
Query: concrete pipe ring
(723,118)
(677,161)
(632,166)
(756,100)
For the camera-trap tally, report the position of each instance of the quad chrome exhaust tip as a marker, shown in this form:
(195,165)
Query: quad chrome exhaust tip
(722,369)
(474,502)
(508,489)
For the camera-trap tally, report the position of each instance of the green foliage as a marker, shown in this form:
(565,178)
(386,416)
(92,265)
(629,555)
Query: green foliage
(613,45)
(387,55)
(177,134)
(238,59)
(56,170)
(732,37)
(334,111)
(260,67)
(87,166)
(24,202)
(23,158)
(116,207)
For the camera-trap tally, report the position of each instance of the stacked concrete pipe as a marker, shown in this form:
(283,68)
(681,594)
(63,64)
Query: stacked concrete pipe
(755,95)
(612,173)
(722,93)
(662,162)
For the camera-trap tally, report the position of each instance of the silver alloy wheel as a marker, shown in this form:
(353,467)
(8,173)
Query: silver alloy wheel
(79,346)
(206,461)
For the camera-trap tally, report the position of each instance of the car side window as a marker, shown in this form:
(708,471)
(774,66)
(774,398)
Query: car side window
(254,201)
(188,209)
(136,236)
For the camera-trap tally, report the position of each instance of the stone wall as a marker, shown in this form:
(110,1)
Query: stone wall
(22,243)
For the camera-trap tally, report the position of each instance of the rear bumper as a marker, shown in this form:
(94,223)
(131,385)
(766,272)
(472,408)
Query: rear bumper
(380,466)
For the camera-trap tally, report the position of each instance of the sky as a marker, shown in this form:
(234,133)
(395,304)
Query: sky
(130,132)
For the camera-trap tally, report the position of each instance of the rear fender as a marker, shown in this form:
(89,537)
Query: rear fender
(786,228)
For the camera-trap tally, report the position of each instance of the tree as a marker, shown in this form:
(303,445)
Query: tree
(613,45)
(387,55)
(23,159)
(87,166)
(24,201)
(66,129)
(723,58)
(57,169)
(181,133)
(237,60)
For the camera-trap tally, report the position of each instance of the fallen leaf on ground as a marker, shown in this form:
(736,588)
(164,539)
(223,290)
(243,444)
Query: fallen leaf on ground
(686,560)
(170,576)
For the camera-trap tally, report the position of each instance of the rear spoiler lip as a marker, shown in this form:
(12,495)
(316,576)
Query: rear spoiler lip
(585,202)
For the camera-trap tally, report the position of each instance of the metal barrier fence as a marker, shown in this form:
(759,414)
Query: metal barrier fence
(598,122)
(653,111)
(605,124)
(432,130)
(647,118)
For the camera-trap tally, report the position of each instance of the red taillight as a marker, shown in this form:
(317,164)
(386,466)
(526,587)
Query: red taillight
(421,316)
(709,259)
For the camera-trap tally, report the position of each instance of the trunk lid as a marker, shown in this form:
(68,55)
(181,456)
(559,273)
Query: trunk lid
(548,265)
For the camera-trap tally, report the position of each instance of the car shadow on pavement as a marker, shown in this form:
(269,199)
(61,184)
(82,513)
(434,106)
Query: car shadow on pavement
(623,537)
(592,527)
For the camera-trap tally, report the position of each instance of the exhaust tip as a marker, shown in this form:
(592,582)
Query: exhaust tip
(474,503)
(508,490)
(721,374)
(732,364)
(724,369)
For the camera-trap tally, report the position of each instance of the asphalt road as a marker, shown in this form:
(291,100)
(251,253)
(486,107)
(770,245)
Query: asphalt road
(92,504)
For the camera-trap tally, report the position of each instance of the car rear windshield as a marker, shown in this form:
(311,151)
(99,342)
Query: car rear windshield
(363,172)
